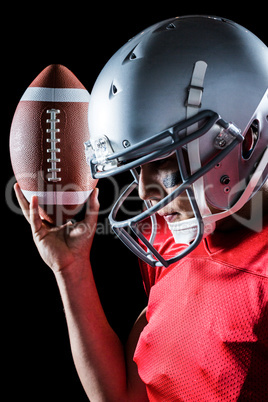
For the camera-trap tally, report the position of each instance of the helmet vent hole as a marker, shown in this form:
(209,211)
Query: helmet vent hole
(135,53)
(132,56)
(114,89)
(171,26)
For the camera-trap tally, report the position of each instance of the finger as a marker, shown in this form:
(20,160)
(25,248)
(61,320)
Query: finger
(23,203)
(35,219)
(94,201)
(93,207)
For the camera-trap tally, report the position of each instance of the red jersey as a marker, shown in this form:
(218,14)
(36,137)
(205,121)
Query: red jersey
(207,333)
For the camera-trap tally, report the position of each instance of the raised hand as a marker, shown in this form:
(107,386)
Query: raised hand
(61,246)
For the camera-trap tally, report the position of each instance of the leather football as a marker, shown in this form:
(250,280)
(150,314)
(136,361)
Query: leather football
(47,136)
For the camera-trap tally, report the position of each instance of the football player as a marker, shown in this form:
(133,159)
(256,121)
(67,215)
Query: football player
(184,107)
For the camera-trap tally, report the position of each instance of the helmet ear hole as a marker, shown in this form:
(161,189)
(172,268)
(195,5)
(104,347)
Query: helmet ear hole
(250,140)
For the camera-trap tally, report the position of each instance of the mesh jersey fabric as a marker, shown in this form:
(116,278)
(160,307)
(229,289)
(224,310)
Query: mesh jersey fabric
(207,332)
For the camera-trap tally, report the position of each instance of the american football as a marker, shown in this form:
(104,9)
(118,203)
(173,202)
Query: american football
(47,136)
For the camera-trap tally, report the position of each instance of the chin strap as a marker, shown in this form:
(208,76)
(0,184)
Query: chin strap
(185,232)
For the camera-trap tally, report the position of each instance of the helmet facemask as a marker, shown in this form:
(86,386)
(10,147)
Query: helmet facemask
(104,162)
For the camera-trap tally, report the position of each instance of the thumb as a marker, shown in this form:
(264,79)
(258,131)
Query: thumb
(93,207)
(94,204)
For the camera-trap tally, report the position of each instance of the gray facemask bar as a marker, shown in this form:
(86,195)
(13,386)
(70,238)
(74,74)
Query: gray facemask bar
(151,256)
(150,153)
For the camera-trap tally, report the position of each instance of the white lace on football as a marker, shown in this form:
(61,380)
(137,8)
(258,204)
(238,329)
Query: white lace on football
(53,150)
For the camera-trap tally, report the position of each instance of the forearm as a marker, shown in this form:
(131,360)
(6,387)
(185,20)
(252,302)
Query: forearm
(97,351)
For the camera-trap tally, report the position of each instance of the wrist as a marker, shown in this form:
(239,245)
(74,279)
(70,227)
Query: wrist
(75,272)
(78,290)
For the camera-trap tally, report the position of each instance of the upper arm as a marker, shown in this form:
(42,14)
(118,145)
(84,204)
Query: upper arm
(136,387)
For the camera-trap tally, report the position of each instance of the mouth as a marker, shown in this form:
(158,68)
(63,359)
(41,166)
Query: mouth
(170,217)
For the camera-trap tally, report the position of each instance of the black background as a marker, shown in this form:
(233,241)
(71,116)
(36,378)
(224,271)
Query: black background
(37,363)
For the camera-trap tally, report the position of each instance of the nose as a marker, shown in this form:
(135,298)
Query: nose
(150,184)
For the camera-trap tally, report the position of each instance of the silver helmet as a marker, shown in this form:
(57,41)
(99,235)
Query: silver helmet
(197,84)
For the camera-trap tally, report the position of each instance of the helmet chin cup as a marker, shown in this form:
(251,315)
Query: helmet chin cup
(148,253)
(184,232)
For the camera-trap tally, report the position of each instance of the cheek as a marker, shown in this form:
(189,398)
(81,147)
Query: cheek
(172,180)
